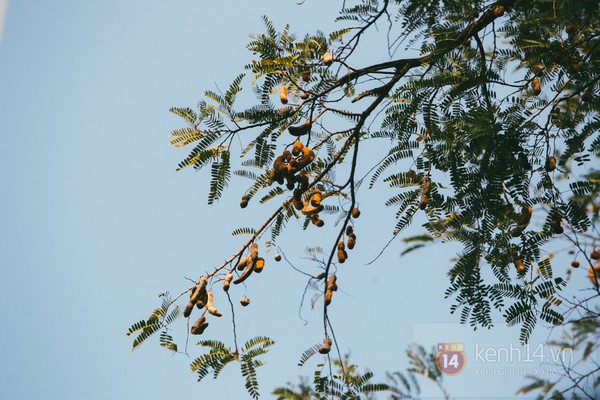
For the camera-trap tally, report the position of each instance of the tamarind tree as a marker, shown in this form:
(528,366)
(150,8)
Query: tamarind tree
(482,117)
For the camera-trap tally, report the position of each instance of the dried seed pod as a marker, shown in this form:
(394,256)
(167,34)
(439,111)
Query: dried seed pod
(320,276)
(244,301)
(349,229)
(341,245)
(277,257)
(320,223)
(423,201)
(427,187)
(188,309)
(316,198)
(327,58)
(202,300)
(199,290)
(247,272)
(242,264)
(535,86)
(253,251)
(342,256)
(595,254)
(210,306)
(290,185)
(300,130)
(305,76)
(297,148)
(498,11)
(351,241)
(244,203)
(525,215)
(326,346)
(575,264)
(355,212)
(309,210)
(536,69)
(304,96)
(246,197)
(298,204)
(550,164)
(259,265)
(227,281)
(330,287)
(306,158)
(519,265)
(199,326)
(283,94)
(593,275)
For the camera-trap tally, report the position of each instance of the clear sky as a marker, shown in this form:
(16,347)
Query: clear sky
(95,221)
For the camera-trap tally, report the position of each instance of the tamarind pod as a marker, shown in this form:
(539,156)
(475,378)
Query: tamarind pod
(595,254)
(244,301)
(242,264)
(355,212)
(283,94)
(320,223)
(277,257)
(320,276)
(243,204)
(202,300)
(550,164)
(304,96)
(351,241)
(349,229)
(327,58)
(287,155)
(326,346)
(307,157)
(246,197)
(331,282)
(308,210)
(297,147)
(316,198)
(297,195)
(280,180)
(535,86)
(519,265)
(298,204)
(593,274)
(200,288)
(305,76)
(300,130)
(188,309)
(253,251)
(328,296)
(259,265)
(285,111)
(525,215)
(341,245)
(290,185)
(341,255)
(244,275)
(199,326)
(575,264)
(227,281)
(423,201)
(210,307)
(427,187)
(536,69)
(498,11)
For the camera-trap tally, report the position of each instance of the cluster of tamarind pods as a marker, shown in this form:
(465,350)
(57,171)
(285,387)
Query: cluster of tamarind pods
(202,298)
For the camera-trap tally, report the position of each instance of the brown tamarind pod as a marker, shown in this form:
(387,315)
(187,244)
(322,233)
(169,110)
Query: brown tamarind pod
(332,283)
(246,197)
(305,76)
(536,69)
(244,203)
(595,254)
(316,198)
(253,251)
(245,274)
(297,147)
(525,215)
(326,346)
(285,111)
(242,264)
(427,187)
(342,255)
(283,94)
(498,11)
(244,301)
(259,264)
(302,178)
(199,289)
(227,281)
(210,306)
(320,276)
(355,212)
(304,96)
(202,300)
(277,257)
(423,201)
(320,223)
(550,164)
(199,326)
(328,297)
(287,155)
(593,274)
(555,226)
(575,264)
(290,185)
(519,265)
(301,129)
(351,241)
(349,229)
(188,309)
(341,245)
(535,86)
(327,58)
(297,195)
(309,210)
(298,204)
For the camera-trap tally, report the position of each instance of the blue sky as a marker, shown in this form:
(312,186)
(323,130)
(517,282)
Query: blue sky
(95,221)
